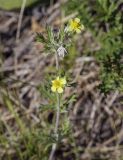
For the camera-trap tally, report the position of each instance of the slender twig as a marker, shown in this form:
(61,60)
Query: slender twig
(18,32)
(52,151)
(57,115)
(20,20)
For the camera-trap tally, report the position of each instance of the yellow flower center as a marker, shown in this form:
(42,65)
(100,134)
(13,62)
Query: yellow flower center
(75,24)
(57,83)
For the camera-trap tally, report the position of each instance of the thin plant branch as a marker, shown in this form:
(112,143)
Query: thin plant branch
(57,61)
(20,20)
(57,115)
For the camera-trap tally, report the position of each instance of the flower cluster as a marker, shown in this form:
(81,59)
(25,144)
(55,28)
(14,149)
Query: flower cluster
(74,25)
(58,85)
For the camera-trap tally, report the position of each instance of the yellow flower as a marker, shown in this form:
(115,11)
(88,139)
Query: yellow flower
(58,85)
(75,25)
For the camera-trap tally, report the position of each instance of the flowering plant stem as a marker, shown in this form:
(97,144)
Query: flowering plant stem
(57,114)
(57,62)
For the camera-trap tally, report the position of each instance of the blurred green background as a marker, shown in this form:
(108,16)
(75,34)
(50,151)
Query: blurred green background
(15,4)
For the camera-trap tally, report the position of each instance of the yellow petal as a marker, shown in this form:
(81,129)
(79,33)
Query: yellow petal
(82,27)
(60,90)
(63,81)
(53,81)
(57,78)
(53,89)
(78,30)
(70,28)
(77,20)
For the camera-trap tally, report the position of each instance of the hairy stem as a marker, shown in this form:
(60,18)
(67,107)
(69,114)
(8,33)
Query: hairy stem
(57,115)
(57,61)
(56,128)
